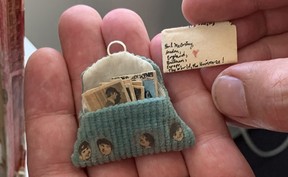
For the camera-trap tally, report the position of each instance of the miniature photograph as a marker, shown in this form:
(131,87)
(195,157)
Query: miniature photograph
(148,79)
(84,151)
(150,88)
(106,95)
(130,90)
(139,92)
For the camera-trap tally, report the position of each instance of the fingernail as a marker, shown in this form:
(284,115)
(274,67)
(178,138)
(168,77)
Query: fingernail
(229,96)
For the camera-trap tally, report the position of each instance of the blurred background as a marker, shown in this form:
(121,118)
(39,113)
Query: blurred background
(41,28)
(41,16)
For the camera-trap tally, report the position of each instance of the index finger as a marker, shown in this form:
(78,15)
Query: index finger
(82,44)
(199,11)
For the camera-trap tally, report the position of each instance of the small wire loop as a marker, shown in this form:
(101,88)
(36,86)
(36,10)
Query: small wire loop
(116,42)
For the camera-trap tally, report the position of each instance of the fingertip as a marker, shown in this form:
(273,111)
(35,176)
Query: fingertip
(76,24)
(187,10)
(229,96)
(156,41)
(74,16)
(126,16)
(46,79)
(197,11)
(127,26)
(81,39)
(41,60)
(246,95)
(39,56)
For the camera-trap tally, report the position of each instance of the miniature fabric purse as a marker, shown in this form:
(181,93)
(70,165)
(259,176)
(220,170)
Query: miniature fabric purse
(126,112)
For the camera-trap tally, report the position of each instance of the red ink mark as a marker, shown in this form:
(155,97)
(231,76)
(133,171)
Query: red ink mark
(195,53)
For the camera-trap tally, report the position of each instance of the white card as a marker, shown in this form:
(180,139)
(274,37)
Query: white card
(198,46)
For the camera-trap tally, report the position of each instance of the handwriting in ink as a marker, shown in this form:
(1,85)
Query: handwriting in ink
(184,44)
(179,45)
(202,24)
(175,66)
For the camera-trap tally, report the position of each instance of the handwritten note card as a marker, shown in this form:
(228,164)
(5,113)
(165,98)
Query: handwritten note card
(199,46)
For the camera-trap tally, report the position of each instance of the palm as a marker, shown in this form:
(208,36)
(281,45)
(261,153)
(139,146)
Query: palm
(52,100)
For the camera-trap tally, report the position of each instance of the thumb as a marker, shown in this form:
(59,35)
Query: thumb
(254,94)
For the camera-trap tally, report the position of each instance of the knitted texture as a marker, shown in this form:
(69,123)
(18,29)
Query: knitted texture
(131,129)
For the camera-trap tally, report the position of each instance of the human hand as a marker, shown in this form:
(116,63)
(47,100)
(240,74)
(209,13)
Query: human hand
(53,93)
(255,92)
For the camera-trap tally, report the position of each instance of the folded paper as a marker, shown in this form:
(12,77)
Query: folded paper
(198,46)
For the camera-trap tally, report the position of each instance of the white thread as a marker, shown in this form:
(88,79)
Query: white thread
(259,152)
(116,42)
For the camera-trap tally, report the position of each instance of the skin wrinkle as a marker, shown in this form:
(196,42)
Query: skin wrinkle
(267,26)
(186,167)
(185,93)
(34,112)
(211,136)
(209,148)
(279,104)
(50,168)
(57,169)
(267,48)
(259,5)
(264,17)
(256,5)
(271,107)
(59,113)
(273,26)
(265,33)
(249,77)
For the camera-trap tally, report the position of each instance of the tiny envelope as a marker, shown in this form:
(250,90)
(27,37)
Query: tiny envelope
(126,112)
(198,46)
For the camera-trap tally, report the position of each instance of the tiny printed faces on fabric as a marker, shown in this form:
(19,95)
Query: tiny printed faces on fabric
(126,113)
(84,151)
(176,131)
(105,146)
(146,140)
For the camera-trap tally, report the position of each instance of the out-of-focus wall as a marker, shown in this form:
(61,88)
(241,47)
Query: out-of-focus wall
(41,16)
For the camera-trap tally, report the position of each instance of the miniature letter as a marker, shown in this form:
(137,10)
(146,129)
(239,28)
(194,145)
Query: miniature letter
(198,46)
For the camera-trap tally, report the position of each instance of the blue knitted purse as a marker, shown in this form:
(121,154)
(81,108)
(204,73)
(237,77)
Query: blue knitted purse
(131,129)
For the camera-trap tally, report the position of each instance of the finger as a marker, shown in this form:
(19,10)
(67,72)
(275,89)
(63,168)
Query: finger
(128,27)
(169,164)
(196,11)
(125,26)
(264,49)
(256,94)
(123,168)
(81,42)
(267,48)
(260,24)
(214,149)
(49,111)
(254,26)
(131,30)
